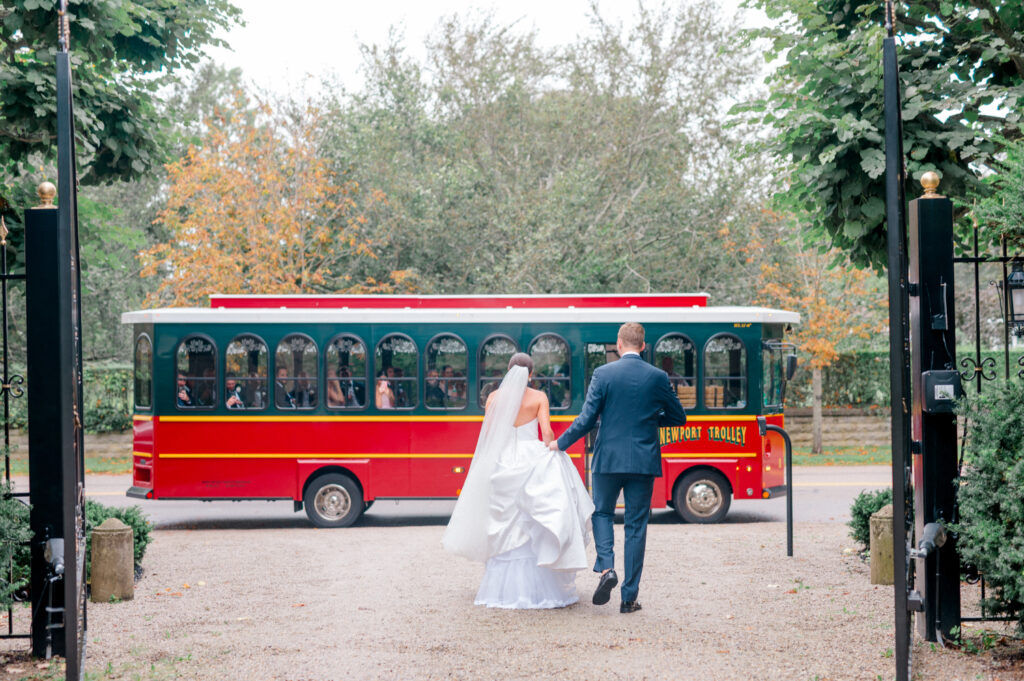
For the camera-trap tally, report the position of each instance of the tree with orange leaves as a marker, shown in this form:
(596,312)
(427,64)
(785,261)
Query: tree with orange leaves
(840,307)
(255,209)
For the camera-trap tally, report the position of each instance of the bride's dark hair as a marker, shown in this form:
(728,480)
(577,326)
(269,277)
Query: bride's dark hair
(521,359)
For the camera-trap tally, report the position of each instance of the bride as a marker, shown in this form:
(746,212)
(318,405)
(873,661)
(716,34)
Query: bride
(523,509)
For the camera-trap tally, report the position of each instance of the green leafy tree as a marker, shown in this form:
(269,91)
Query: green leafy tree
(599,165)
(999,210)
(122,53)
(962,76)
(117,49)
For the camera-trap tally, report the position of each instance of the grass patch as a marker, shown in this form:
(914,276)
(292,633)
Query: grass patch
(843,456)
(103,465)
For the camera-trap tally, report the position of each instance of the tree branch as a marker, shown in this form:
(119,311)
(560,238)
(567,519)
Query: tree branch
(995,22)
(18,138)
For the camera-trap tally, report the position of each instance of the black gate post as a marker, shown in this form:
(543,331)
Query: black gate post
(56,457)
(899,346)
(49,378)
(936,386)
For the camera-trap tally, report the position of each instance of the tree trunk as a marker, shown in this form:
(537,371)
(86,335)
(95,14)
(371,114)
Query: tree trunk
(816,405)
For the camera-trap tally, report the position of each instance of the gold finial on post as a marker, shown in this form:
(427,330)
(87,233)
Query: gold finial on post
(46,192)
(3,231)
(930,182)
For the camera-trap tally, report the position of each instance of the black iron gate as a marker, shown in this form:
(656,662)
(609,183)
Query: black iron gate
(12,387)
(54,374)
(978,368)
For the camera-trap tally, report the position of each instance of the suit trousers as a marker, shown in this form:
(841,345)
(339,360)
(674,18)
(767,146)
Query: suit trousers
(636,490)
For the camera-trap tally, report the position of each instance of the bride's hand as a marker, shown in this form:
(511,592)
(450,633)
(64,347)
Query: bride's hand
(553,445)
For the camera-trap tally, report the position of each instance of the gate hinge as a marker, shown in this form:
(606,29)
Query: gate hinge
(916,447)
(913,290)
(915,603)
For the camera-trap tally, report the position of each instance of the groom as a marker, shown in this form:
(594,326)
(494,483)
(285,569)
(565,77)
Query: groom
(633,400)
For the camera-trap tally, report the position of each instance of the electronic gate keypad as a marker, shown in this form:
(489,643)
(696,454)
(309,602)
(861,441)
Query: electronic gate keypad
(941,390)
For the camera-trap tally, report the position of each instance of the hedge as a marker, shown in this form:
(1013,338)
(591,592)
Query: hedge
(991,496)
(856,379)
(107,398)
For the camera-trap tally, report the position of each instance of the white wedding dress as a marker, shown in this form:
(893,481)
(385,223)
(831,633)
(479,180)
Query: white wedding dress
(523,510)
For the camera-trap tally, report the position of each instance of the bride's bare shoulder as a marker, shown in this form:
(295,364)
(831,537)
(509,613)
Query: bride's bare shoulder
(533,395)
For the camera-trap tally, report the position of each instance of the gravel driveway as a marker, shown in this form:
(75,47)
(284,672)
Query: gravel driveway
(720,602)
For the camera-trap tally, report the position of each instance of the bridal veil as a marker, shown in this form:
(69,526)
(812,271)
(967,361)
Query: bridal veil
(466,534)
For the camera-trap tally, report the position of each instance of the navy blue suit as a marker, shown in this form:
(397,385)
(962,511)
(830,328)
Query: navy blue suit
(633,399)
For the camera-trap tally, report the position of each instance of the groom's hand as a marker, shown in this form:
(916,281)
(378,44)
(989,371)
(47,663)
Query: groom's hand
(553,445)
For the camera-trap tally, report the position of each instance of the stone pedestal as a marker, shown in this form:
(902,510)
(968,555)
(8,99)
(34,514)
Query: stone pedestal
(112,572)
(881,546)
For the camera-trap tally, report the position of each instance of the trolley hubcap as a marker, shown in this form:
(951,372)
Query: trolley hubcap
(332,502)
(704,498)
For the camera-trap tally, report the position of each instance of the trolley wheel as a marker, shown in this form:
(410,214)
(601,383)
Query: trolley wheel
(702,496)
(333,500)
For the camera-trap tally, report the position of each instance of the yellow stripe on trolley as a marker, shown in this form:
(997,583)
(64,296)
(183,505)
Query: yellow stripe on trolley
(707,417)
(141,417)
(143,454)
(293,455)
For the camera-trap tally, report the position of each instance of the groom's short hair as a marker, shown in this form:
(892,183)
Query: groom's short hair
(631,335)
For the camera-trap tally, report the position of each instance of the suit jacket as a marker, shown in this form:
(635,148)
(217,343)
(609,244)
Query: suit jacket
(633,399)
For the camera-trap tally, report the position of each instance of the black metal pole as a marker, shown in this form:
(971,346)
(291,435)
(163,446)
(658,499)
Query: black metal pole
(72,461)
(789,486)
(1006,310)
(978,373)
(763,428)
(899,344)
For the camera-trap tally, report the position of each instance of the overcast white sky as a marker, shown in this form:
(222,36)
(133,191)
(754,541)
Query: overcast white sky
(284,41)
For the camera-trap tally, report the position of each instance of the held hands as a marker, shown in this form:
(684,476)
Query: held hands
(553,445)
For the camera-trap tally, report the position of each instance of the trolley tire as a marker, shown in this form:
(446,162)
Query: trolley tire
(333,500)
(702,497)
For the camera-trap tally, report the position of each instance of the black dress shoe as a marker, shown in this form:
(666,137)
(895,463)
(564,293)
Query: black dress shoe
(603,593)
(629,606)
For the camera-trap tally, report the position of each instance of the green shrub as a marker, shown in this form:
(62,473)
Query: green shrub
(14,533)
(991,496)
(106,399)
(863,507)
(96,513)
(854,379)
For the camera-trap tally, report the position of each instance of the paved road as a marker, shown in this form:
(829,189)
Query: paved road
(821,494)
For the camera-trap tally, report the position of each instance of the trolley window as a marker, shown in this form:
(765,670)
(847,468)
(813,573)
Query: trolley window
(196,380)
(676,356)
(397,362)
(725,373)
(445,382)
(345,368)
(773,375)
(492,363)
(246,368)
(295,365)
(143,372)
(551,372)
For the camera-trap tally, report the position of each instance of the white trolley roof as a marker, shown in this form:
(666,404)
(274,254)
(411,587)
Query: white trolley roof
(570,315)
